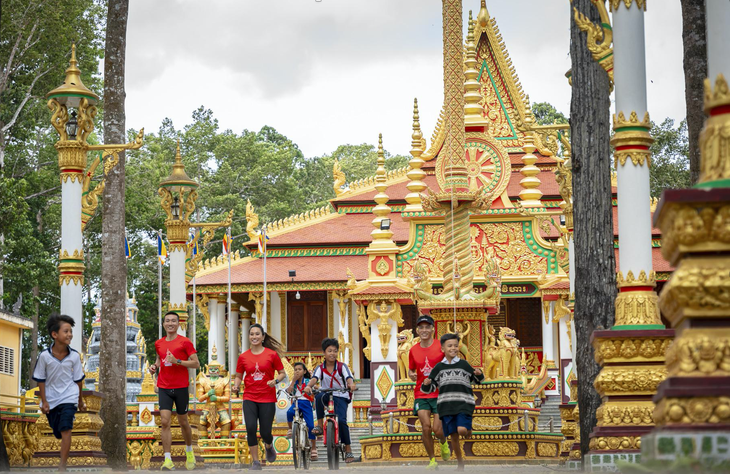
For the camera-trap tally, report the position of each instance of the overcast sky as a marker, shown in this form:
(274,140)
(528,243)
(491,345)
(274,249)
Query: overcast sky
(330,72)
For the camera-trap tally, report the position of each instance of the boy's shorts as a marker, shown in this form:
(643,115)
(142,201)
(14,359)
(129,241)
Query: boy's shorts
(425,404)
(451,423)
(61,418)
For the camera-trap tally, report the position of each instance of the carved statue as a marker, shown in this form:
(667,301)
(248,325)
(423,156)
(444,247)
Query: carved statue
(351,281)
(252,221)
(343,345)
(214,392)
(384,326)
(490,356)
(362,320)
(135,454)
(509,358)
(339,177)
(418,280)
(462,329)
(406,341)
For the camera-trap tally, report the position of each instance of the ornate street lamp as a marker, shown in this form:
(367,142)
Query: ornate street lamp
(78,203)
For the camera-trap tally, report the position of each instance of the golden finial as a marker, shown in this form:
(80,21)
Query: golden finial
(178,179)
(483,16)
(72,87)
(148,385)
(381,157)
(381,209)
(473,110)
(530,194)
(415,174)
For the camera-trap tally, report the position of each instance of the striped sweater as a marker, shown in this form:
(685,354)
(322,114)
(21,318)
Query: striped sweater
(453,381)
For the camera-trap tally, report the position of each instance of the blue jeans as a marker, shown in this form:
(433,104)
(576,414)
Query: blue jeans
(321,400)
(305,409)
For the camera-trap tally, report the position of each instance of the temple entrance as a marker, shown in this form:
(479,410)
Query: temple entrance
(306,321)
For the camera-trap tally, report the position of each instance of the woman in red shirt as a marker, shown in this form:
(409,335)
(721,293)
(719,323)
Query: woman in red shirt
(259,394)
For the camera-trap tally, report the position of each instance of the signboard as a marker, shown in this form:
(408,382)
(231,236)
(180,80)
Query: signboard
(509,290)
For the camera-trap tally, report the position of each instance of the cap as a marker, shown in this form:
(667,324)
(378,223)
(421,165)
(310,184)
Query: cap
(424,318)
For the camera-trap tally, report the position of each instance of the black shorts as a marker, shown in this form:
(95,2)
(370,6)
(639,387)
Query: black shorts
(61,418)
(178,396)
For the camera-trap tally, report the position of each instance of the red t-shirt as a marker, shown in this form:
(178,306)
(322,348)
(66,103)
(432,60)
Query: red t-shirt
(423,361)
(259,369)
(173,375)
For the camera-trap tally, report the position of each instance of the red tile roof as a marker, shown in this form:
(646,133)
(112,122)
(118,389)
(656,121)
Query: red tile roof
(309,269)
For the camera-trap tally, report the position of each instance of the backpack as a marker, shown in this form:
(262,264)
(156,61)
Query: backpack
(338,370)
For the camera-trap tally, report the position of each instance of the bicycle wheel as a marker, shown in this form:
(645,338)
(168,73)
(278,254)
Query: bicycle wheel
(306,451)
(333,455)
(296,454)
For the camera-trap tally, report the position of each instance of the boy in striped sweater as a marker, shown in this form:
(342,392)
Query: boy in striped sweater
(453,378)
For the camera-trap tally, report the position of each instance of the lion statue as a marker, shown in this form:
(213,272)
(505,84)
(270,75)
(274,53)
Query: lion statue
(406,340)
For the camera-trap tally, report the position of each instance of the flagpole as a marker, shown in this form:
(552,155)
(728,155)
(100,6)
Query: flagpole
(230,326)
(263,316)
(159,290)
(195,343)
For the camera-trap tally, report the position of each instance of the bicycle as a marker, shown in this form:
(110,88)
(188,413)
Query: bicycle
(301,445)
(335,449)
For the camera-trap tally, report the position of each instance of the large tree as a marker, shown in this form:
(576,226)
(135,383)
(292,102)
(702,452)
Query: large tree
(595,263)
(112,360)
(694,39)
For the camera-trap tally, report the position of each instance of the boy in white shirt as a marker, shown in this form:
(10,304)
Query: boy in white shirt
(60,376)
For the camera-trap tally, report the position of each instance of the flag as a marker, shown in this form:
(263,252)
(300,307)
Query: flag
(126,247)
(262,241)
(161,250)
(193,244)
(226,244)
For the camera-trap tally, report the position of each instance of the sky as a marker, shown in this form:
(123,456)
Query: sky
(331,72)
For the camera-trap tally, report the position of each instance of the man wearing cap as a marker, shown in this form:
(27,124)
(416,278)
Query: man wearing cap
(421,359)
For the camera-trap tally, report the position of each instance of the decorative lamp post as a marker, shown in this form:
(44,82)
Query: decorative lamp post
(74,108)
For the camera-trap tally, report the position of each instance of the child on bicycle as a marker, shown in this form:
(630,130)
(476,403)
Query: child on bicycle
(453,378)
(333,374)
(296,388)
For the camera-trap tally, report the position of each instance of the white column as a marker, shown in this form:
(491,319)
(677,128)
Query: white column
(718,39)
(548,349)
(220,332)
(233,336)
(355,332)
(245,324)
(634,215)
(213,327)
(275,303)
(71,241)
(177,281)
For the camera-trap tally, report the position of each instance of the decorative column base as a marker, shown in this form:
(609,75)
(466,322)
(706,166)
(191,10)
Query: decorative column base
(177,449)
(569,427)
(633,368)
(86,453)
(574,457)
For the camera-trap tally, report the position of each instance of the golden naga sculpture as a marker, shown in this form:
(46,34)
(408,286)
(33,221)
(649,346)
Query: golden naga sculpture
(339,177)
(508,355)
(252,221)
(351,281)
(600,37)
(343,346)
(214,391)
(406,341)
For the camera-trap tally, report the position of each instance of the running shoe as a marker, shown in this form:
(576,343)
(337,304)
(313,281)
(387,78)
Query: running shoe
(168,465)
(433,465)
(270,454)
(445,451)
(255,466)
(190,460)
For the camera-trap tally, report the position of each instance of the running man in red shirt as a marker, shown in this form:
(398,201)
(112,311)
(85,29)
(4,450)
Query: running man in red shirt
(259,394)
(178,355)
(421,359)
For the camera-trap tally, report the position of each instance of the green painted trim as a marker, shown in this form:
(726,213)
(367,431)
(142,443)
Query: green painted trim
(86,96)
(499,97)
(637,327)
(720,183)
(607,26)
(550,256)
(310,252)
(631,129)
(606,56)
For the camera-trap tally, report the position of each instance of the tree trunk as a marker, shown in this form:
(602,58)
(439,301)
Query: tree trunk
(34,335)
(112,360)
(595,265)
(694,39)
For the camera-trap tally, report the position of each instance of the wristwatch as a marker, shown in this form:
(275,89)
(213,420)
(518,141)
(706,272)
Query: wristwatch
(179,362)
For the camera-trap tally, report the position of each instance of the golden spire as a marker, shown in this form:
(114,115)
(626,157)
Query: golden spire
(178,178)
(381,210)
(530,194)
(148,385)
(473,110)
(483,16)
(72,87)
(415,174)
(453,149)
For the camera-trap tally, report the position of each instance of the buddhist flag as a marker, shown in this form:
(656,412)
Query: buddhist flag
(226,244)
(161,250)
(262,241)
(126,247)
(193,244)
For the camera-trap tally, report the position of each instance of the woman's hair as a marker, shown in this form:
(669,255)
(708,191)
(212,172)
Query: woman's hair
(307,375)
(269,342)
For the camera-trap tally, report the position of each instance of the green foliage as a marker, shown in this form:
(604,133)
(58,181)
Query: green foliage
(546,114)
(669,156)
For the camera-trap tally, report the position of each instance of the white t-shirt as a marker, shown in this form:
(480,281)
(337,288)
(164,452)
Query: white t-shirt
(334,380)
(60,376)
